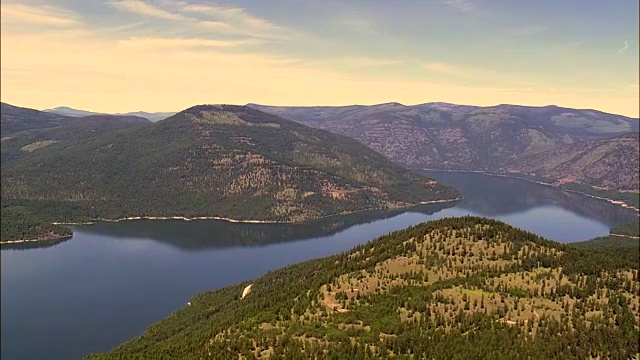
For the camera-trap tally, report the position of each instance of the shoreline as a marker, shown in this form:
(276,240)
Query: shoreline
(184,218)
(612,201)
(625,236)
(231,220)
(15,242)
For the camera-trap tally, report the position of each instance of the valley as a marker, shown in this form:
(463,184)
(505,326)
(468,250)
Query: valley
(257,180)
(153,267)
(444,179)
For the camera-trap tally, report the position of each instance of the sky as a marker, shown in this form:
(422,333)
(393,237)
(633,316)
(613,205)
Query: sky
(160,55)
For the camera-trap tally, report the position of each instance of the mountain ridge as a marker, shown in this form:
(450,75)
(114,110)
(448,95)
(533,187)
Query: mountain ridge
(489,139)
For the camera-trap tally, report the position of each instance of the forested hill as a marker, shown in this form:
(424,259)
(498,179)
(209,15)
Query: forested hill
(456,288)
(210,160)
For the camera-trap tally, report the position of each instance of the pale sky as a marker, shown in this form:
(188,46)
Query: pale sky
(160,55)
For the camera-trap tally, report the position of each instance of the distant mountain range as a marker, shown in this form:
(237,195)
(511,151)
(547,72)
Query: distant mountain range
(67,111)
(537,142)
(207,161)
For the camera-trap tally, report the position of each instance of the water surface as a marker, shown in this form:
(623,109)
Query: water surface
(112,280)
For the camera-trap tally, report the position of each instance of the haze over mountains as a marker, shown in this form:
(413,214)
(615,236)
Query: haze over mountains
(67,111)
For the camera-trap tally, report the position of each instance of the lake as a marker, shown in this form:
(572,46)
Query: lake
(112,280)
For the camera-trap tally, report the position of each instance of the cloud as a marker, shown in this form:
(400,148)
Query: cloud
(363,61)
(462,5)
(634,87)
(443,68)
(623,49)
(359,24)
(41,15)
(236,20)
(158,43)
(529,30)
(143,8)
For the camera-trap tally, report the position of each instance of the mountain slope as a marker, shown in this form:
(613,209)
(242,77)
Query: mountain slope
(607,163)
(456,288)
(16,119)
(217,160)
(54,133)
(447,136)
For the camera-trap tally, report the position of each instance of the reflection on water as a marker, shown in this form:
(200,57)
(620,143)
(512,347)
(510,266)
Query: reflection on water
(203,234)
(494,196)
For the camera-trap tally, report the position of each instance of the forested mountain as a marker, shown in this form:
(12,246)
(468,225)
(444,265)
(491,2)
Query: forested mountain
(456,288)
(493,139)
(214,160)
(15,119)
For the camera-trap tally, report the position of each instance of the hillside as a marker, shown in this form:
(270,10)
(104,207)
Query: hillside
(455,288)
(492,139)
(15,119)
(607,163)
(215,160)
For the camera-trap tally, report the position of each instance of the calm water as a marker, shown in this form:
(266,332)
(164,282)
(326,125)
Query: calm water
(112,280)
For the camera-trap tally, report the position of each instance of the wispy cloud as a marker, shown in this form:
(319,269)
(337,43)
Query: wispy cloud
(363,61)
(462,5)
(218,19)
(157,43)
(358,24)
(623,49)
(444,68)
(529,30)
(236,20)
(41,15)
(634,86)
(143,8)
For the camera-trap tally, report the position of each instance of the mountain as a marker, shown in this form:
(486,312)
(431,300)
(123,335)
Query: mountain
(211,160)
(67,111)
(605,163)
(458,137)
(154,116)
(26,131)
(456,288)
(27,134)
(15,119)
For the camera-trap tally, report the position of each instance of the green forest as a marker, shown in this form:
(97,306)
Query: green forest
(19,223)
(456,288)
(631,229)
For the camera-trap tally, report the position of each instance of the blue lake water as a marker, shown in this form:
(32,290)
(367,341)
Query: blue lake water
(112,280)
